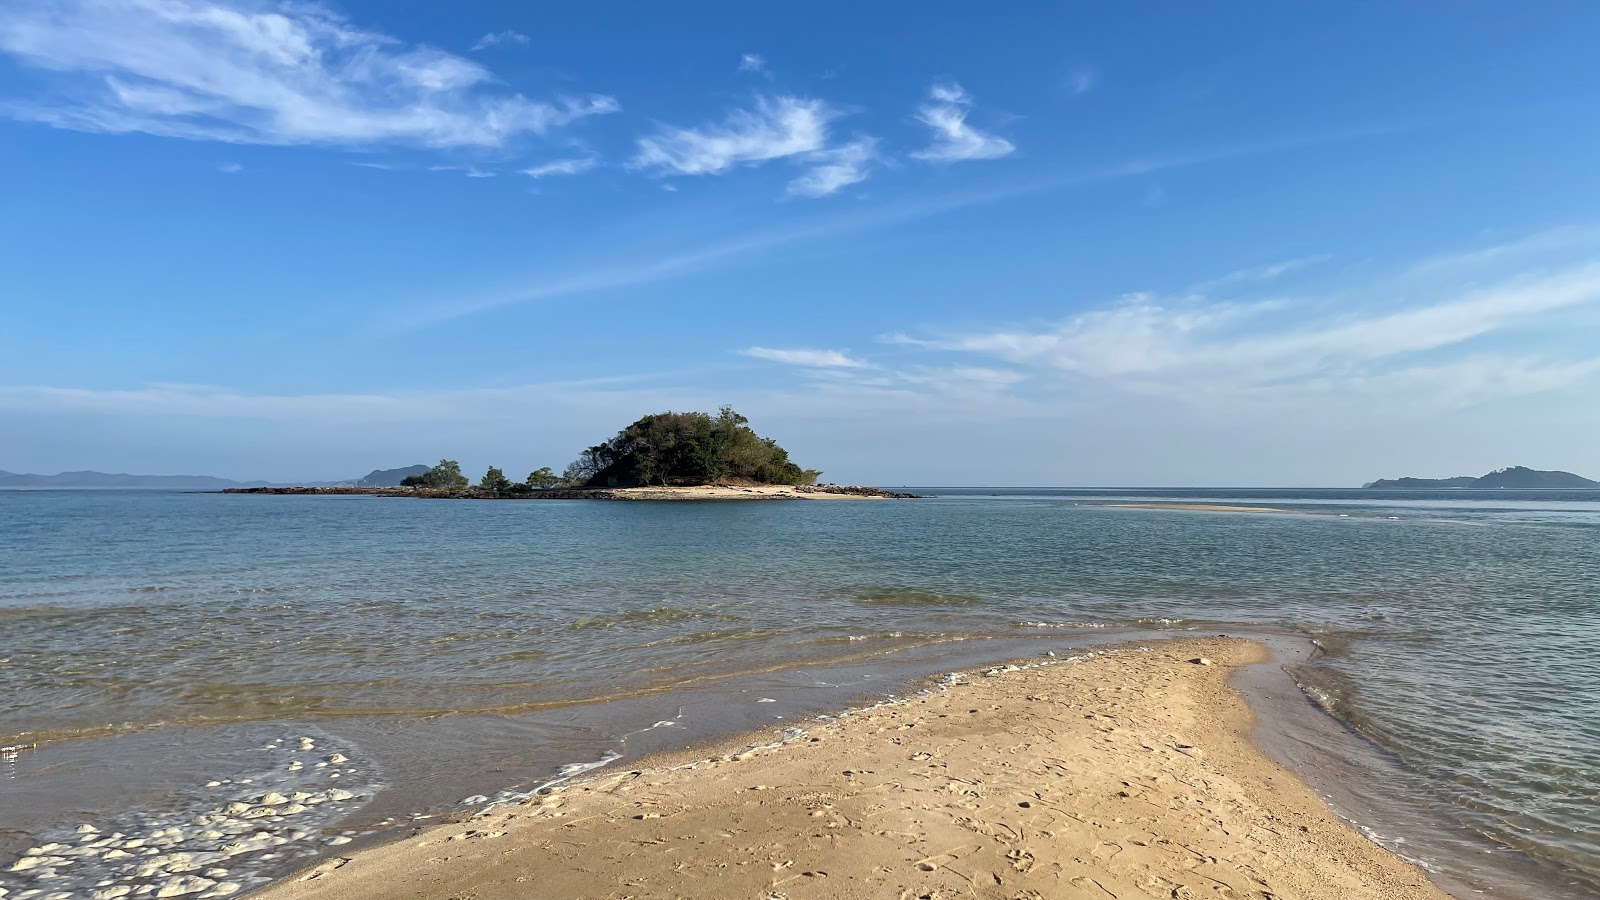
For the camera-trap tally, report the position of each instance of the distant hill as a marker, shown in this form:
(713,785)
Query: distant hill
(388,477)
(103,479)
(1423,484)
(1515,478)
(87,479)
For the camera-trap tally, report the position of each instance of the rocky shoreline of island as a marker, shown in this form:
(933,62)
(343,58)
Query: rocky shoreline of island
(665,492)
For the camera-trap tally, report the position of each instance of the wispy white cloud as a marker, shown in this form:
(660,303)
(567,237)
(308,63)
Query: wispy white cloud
(641,266)
(497,38)
(230,168)
(575,166)
(260,73)
(1267,272)
(216,402)
(776,128)
(752,62)
(469,171)
(1082,81)
(835,169)
(822,359)
(954,140)
(1193,346)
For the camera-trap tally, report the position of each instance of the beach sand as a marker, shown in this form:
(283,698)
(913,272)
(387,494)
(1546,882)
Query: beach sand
(737,492)
(1124,775)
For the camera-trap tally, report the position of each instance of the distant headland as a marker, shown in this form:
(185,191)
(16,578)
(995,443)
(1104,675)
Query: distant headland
(1515,478)
(664,456)
(91,479)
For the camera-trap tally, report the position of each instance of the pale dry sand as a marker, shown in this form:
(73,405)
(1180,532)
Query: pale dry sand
(1127,775)
(731,492)
(1201,507)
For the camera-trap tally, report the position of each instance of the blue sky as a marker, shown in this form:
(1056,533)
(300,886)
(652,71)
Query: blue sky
(1248,243)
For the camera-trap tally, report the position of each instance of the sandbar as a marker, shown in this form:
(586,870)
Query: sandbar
(1201,507)
(1126,773)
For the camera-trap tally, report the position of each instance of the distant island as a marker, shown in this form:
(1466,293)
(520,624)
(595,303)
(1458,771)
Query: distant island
(89,479)
(107,480)
(1515,478)
(664,456)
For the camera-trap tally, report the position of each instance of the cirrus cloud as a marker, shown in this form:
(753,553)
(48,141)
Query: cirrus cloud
(954,140)
(261,73)
(820,359)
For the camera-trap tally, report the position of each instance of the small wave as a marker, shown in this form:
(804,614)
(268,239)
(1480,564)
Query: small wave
(661,615)
(914,597)
(708,637)
(247,828)
(521,655)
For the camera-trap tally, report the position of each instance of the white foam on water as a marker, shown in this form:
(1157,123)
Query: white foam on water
(228,835)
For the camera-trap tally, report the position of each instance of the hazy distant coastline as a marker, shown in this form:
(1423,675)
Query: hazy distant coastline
(91,479)
(1515,478)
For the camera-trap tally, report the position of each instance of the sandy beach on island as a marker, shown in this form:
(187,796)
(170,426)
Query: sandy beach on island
(1127,773)
(745,492)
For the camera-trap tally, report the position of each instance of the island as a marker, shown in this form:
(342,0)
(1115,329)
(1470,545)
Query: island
(1519,478)
(663,456)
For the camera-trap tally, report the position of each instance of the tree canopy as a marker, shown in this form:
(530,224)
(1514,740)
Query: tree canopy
(687,448)
(447,475)
(543,477)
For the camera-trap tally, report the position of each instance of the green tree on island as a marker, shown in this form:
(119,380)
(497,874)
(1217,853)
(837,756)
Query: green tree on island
(495,480)
(446,476)
(687,448)
(543,478)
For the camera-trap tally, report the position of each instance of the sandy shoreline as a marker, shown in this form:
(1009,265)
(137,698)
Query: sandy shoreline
(1127,774)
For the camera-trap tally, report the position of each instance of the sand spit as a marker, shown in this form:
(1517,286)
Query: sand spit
(670,492)
(1119,774)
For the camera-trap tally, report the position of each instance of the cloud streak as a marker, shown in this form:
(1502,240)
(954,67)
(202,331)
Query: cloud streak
(835,169)
(1197,348)
(776,128)
(651,268)
(562,167)
(273,73)
(497,38)
(823,359)
(955,140)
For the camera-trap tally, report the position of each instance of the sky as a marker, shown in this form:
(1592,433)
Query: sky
(1237,244)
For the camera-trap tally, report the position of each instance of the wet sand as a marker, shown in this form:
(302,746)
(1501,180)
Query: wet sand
(1128,773)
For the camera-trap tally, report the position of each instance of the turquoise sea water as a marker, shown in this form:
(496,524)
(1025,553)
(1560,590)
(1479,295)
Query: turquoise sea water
(1460,632)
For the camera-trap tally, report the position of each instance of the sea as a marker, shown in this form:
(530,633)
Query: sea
(225,687)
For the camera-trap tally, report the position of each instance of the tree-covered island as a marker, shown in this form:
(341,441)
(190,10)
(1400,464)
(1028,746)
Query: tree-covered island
(666,455)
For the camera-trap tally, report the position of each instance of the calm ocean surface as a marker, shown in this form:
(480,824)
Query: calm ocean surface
(174,653)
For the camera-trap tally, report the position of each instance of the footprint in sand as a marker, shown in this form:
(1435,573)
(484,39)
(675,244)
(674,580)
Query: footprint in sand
(1106,850)
(324,867)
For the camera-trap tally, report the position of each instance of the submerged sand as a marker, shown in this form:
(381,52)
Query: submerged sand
(1201,507)
(1123,775)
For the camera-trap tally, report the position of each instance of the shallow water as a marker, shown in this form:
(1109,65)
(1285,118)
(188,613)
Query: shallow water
(1461,634)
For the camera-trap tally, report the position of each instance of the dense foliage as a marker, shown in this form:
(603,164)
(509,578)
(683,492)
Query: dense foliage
(687,448)
(543,478)
(446,475)
(665,448)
